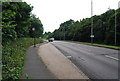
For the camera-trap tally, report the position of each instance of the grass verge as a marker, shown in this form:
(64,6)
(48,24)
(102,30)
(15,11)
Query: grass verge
(13,57)
(100,45)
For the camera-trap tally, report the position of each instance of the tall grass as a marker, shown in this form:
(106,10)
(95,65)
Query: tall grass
(13,54)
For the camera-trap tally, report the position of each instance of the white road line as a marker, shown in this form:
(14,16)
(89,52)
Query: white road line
(69,57)
(112,57)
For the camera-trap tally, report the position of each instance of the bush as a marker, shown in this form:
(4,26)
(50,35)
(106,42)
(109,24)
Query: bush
(13,57)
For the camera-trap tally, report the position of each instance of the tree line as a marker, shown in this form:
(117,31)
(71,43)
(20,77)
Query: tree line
(18,21)
(103,29)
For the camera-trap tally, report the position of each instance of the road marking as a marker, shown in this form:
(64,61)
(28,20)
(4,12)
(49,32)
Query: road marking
(112,57)
(69,57)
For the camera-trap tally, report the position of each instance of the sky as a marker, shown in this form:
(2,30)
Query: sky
(54,12)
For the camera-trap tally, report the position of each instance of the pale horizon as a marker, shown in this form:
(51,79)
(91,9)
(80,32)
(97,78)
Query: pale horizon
(54,12)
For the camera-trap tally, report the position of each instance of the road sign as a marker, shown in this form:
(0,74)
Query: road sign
(33,29)
(92,36)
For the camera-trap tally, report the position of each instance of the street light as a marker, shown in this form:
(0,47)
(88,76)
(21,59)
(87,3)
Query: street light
(92,36)
(119,4)
(115,28)
(33,29)
(116,24)
(64,34)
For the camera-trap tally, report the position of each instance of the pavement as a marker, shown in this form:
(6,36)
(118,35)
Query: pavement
(59,65)
(95,62)
(34,68)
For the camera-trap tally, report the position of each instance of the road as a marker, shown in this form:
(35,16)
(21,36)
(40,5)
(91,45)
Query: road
(95,62)
(58,64)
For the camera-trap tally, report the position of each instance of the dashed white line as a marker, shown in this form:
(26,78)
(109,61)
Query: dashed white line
(112,57)
(69,56)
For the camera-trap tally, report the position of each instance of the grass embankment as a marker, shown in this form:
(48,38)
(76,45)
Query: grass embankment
(100,45)
(13,54)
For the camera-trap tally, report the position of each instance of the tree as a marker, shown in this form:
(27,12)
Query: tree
(35,23)
(17,21)
(103,26)
(46,35)
(22,19)
(8,22)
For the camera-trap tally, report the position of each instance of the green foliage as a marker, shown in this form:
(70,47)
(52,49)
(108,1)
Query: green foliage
(46,35)
(13,57)
(23,19)
(8,23)
(103,25)
(17,21)
(35,23)
(9,34)
(16,25)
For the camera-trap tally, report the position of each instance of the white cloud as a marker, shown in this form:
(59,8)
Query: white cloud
(54,12)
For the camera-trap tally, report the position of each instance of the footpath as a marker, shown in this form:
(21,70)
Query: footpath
(34,68)
(59,65)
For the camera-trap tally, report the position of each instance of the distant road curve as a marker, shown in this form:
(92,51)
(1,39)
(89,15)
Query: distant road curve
(95,62)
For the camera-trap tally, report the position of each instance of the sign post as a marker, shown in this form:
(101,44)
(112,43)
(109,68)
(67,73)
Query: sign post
(33,29)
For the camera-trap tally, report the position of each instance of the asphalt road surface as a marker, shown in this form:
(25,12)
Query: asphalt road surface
(95,62)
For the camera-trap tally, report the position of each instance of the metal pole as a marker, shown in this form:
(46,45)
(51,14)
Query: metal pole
(91,21)
(33,29)
(60,35)
(119,4)
(34,42)
(64,34)
(115,29)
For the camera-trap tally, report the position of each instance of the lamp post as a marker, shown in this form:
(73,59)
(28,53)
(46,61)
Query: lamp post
(33,29)
(116,24)
(115,28)
(64,34)
(92,36)
(119,4)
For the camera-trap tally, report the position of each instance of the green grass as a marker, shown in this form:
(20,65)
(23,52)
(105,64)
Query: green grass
(13,54)
(102,45)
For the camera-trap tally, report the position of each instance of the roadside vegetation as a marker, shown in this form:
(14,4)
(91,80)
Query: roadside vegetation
(103,27)
(18,21)
(17,35)
(13,54)
(100,45)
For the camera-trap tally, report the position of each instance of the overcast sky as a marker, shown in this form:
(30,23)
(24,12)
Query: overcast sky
(54,12)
